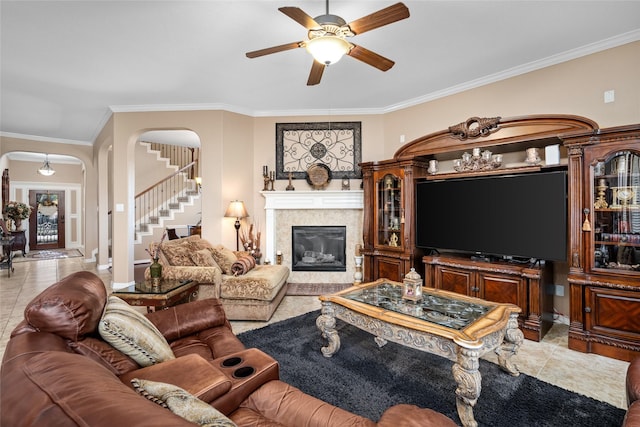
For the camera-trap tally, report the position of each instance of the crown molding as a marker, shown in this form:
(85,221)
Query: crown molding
(622,39)
(619,40)
(44,139)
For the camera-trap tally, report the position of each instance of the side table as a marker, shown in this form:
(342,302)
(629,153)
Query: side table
(20,242)
(164,295)
(7,253)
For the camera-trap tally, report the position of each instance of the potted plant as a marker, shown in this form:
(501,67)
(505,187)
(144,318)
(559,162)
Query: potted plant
(17,211)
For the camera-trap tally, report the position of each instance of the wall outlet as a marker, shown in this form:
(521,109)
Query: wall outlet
(559,290)
(609,96)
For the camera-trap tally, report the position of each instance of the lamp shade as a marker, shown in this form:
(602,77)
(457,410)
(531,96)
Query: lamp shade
(237,210)
(328,49)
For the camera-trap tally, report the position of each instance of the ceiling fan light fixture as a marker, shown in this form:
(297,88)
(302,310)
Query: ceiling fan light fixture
(328,49)
(46,169)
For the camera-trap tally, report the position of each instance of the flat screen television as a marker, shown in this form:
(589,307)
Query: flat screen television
(519,216)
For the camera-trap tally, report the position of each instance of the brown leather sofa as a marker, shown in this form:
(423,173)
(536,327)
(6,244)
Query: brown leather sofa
(57,371)
(632,419)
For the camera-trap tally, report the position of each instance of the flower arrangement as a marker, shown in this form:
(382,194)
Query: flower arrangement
(250,239)
(17,210)
(155,254)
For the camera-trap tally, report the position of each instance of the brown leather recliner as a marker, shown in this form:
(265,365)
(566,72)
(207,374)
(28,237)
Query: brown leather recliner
(632,418)
(57,371)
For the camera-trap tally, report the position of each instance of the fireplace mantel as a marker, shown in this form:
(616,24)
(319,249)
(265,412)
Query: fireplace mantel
(312,200)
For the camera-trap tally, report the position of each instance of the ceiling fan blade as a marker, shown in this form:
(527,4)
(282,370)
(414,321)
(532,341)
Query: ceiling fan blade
(368,57)
(274,49)
(316,73)
(377,19)
(300,17)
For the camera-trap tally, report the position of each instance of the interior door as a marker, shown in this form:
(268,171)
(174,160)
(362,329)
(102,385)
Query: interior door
(46,225)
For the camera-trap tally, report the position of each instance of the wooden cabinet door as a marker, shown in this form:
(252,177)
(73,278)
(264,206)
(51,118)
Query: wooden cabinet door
(455,280)
(612,312)
(388,268)
(503,289)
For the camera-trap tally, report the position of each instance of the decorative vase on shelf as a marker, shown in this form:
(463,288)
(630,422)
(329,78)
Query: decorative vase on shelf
(155,271)
(17,223)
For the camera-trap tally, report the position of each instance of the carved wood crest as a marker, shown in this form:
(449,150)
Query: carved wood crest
(475,127)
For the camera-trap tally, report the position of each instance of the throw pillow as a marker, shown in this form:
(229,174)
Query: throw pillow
(179,255)
(204,258)
(181,403)
(224,257)
(243,264)
(133,334)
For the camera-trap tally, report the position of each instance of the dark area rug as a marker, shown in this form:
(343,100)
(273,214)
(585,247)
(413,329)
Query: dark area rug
(365,379)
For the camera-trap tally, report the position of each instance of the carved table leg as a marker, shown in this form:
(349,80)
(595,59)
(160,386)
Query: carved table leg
(513,338)
(326,322)
(468,378)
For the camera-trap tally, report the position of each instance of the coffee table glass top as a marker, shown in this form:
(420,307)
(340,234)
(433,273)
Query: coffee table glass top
(147,287)
(434,307)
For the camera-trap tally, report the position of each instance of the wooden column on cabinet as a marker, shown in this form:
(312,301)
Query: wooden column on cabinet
(389,231)
(605,286)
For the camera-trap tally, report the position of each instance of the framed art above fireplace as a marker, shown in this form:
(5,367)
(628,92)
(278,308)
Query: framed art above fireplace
(337,145)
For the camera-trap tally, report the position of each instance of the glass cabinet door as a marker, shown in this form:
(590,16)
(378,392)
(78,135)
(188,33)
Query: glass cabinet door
(617,212)
(390,220)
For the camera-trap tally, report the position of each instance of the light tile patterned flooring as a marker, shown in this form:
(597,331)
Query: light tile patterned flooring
(550,360)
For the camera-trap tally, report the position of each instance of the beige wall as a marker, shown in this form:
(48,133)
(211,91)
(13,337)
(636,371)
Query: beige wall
(575,87)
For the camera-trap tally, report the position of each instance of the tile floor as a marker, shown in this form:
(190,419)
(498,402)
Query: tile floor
(550,360)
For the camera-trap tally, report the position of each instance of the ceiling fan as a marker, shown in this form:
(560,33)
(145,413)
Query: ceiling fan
(327,36)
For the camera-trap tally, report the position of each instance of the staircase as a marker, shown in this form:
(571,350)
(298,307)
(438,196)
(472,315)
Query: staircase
(172,200)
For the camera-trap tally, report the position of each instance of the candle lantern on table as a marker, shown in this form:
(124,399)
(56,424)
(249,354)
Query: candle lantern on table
(412,286)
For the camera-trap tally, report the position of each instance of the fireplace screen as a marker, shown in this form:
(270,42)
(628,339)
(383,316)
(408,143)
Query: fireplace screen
(319,248)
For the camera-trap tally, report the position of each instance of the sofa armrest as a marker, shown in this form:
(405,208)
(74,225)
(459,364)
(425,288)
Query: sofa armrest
(191,372)
(199,274)
(68,390)
(187,319)
(633,381)
(413,416)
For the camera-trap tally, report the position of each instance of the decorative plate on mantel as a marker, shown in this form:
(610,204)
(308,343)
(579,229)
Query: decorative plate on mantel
(318,176)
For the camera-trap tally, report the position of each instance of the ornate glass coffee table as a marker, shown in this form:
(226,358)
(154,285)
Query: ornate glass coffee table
(451,325)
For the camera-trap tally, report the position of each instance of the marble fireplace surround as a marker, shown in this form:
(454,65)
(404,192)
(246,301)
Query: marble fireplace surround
(284,209)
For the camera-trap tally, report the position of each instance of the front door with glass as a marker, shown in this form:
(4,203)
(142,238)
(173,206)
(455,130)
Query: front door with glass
(46,226)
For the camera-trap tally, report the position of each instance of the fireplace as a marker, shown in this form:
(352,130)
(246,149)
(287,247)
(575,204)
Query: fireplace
(318,248)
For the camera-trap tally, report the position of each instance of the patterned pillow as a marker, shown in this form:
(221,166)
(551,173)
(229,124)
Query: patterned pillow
(204,258)
(243,264)
(178,254)
(181,403)
(133,334)
(224,257)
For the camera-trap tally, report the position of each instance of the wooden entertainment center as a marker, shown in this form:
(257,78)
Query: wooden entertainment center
(603,259)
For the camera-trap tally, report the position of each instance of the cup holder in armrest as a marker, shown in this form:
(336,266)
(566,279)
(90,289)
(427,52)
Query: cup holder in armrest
(243,372)
(232,361)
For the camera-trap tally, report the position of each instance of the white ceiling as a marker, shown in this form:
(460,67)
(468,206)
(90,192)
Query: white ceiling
(67,65)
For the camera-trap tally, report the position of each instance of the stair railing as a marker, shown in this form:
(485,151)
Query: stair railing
(157,200)
(179,156)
